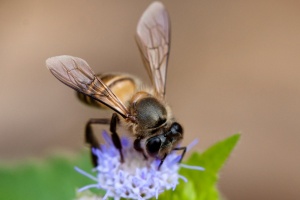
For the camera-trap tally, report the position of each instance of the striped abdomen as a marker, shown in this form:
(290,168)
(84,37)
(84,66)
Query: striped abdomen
(122,85)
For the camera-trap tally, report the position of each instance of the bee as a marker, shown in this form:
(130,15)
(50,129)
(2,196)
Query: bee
(143,111)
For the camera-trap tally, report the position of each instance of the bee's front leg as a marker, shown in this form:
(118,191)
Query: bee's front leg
(137,147)
(175,149)
(183,152)
(162,161)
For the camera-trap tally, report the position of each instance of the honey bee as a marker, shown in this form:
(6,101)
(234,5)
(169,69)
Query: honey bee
(143,111)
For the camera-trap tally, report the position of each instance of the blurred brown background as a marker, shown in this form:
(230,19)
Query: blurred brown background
(234,66)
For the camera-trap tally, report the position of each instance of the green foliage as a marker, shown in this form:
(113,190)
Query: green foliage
(51,179)
(56,179)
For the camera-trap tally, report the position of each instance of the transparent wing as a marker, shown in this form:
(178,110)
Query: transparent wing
(153,39)
(77,74)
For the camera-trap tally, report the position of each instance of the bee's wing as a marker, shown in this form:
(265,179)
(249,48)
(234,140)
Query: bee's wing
(77,74)
(153,39)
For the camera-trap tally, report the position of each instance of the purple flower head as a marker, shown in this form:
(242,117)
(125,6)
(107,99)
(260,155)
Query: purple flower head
(137,177)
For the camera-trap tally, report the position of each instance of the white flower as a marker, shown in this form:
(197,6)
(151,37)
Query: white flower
(136,178)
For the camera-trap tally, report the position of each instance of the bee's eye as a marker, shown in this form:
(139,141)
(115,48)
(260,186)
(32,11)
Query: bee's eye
(176,128)
(153,145)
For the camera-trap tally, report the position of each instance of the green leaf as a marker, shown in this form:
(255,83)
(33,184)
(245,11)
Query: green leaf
(201,185)
(54,178)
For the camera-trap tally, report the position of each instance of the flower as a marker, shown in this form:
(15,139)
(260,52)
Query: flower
(137,177)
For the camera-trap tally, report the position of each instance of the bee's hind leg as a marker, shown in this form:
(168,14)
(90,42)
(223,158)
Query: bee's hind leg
(91,139)
(114,135)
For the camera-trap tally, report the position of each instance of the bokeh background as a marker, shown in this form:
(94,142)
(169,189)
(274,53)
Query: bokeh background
(234,67)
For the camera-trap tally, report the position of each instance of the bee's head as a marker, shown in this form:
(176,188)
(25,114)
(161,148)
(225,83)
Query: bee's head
(159,145)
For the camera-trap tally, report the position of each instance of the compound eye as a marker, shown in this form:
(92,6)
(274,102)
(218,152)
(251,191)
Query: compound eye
(153,145)
(176,128)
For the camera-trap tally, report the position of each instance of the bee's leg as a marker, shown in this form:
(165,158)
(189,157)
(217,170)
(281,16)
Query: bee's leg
(114,135)
(183,152)
(137,146)
(91,139)
(162,161)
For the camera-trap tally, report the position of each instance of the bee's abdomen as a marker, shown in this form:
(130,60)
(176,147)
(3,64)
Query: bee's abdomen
(122,85)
